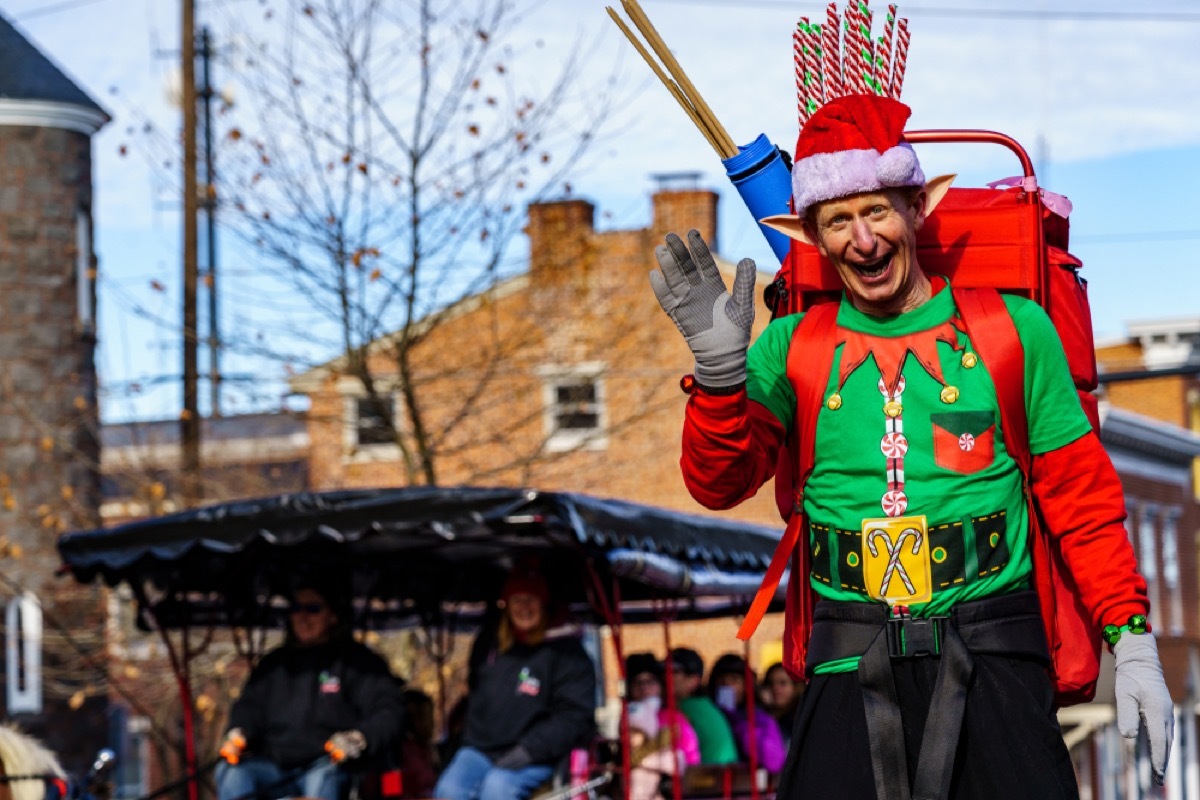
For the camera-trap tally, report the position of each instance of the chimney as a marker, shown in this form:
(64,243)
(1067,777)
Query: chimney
(680,205)
(559,233)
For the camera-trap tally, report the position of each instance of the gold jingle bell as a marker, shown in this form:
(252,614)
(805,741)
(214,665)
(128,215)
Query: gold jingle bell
(834,402)
(892,408)
(950,394)
(969,360)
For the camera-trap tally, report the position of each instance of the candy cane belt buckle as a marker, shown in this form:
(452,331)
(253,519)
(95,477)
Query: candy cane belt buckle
(895,555)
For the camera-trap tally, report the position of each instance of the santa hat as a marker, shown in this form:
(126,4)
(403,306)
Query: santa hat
(853,144)
(524,580)
(851,119)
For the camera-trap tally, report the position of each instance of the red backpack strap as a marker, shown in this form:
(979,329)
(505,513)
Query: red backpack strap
(1070,633)
(810,358)
(994,337)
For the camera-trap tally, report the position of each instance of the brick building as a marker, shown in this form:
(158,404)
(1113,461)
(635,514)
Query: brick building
(49,478)
(247,455)
(1151,429)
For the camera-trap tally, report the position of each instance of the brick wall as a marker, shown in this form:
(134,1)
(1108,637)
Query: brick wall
(48,418)
(1166,399)
(1149,500)
(1163,398)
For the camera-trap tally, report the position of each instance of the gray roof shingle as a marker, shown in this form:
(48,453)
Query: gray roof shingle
(26,73)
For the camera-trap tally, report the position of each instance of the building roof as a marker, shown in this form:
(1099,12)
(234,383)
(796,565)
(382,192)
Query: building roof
(212,429)
(26,73)
(1139,434)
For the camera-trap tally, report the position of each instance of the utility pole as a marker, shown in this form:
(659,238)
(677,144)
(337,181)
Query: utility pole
(189,420)
(210,221)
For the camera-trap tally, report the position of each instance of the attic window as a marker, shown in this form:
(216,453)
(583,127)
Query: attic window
(575,406)
(574,415)
(371,423)
(369,426)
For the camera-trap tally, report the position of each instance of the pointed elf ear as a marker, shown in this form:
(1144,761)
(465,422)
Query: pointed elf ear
(789,225)
(935,190)
(792,226)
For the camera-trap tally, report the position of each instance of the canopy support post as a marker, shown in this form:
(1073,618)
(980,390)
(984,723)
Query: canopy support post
(608,604)
(181,667)
(751,722)
(672,706)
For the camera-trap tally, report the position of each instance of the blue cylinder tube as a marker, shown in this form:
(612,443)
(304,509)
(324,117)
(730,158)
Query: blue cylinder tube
(765,185)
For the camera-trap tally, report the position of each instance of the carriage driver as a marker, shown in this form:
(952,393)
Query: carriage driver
(908,453)
(312,708)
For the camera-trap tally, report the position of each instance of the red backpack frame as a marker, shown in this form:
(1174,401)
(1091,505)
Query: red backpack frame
(984,241)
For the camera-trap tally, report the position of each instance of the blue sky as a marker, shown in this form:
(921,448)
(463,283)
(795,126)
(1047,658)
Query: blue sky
(1108,107)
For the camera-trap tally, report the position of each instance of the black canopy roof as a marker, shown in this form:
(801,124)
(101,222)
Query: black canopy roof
(420,554)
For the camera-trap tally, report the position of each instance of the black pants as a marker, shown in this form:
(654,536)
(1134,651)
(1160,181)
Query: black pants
(1010,748)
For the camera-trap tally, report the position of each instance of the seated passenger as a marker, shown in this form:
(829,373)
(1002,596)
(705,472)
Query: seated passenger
(781,698)
(644,677)
(533,701)
(311,707)
(727,687)
(655,732)
(712,729)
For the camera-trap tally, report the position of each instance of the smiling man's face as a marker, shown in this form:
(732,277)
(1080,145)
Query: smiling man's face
(871,240)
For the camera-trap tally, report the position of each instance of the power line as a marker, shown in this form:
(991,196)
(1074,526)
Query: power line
(53,8)
(1139,236)
(1125,17)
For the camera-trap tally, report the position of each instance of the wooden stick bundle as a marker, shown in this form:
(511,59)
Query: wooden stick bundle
(680,87)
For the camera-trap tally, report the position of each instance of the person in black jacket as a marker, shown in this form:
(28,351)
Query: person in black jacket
(533,699)
(311,708)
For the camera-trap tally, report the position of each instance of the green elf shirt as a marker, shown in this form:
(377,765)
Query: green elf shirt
(911,429)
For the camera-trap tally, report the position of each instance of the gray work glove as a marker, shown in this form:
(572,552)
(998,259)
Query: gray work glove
(346,746)
(716,325)
(515,758)
(1142,696)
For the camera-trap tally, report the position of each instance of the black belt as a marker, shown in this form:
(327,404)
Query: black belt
(1009,625)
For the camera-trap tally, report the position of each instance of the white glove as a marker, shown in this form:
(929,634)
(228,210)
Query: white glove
(1142,696)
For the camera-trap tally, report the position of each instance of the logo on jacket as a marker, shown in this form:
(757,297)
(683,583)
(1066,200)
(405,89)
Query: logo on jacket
(528,684)
(329,684)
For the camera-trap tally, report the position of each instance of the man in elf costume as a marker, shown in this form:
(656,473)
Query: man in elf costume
(927,656)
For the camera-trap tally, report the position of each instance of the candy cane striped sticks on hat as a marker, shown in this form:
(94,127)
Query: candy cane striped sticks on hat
(678,83)
(831,58)
(849,60)
(883,53)
(802,96)
(806,50)
(902,37)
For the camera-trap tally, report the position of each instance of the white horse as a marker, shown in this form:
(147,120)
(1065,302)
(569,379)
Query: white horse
(27,768)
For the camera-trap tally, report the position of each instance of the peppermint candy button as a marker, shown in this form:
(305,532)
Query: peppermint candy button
(895,503)
(894,445)
(966,442)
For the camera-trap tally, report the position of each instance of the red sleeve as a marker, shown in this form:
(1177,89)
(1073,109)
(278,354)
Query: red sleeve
(1081,500)
(730,447)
